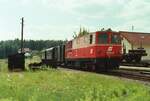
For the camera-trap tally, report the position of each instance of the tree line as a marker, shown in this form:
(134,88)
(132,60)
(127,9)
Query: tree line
(9,47)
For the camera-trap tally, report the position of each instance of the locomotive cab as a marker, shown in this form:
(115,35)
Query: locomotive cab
(109,44)
(109,49)
(108,38)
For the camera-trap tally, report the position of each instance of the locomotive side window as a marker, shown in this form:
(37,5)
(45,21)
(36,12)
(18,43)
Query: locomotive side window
(91,39)
(115,39)
(102,38)
(69,45)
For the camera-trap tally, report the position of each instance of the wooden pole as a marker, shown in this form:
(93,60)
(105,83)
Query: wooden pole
(22,25)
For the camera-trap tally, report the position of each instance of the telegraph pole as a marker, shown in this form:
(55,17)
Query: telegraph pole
(22,26)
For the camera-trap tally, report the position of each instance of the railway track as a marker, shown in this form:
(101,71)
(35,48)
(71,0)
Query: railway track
(130,74)
(135,75)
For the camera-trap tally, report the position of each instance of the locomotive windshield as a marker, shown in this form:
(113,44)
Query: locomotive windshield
(103,38)
(115,39)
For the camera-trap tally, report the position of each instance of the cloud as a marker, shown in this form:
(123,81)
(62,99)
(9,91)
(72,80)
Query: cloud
(136,13)
(56,32)
(118,14)
(58,19)
(71,5)
(136,9)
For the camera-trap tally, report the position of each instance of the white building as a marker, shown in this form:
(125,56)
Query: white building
(134,40)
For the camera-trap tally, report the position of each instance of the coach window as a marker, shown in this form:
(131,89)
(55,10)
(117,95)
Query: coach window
(91,39)
(102,38)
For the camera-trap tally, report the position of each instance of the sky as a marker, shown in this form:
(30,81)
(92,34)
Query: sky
(59,19)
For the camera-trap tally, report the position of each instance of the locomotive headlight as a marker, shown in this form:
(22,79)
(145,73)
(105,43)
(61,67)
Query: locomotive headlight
(110,49)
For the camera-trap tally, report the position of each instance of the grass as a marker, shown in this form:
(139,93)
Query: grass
(62,85)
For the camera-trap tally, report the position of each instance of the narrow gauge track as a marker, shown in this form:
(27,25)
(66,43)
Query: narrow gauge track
(130,74)
(134,75)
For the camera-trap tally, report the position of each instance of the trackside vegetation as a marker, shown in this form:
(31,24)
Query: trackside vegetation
(9,47)
(67,85)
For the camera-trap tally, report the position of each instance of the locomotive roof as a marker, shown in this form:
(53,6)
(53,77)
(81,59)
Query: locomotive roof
(96,32)
(92,33)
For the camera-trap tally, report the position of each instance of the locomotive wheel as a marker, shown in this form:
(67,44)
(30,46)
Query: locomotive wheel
(87,67)
(115,66)
(93,67)
(101,67)
(112,64)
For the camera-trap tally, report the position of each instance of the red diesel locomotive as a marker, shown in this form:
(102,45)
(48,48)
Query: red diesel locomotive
(99,50)
(94,51)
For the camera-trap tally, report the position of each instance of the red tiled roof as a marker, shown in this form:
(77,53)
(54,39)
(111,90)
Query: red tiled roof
(136,38)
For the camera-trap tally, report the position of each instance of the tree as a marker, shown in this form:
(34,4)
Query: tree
(11,46)
(81,32)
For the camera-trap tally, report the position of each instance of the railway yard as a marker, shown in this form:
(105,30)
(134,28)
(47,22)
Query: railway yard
(95,60)
(106,59)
